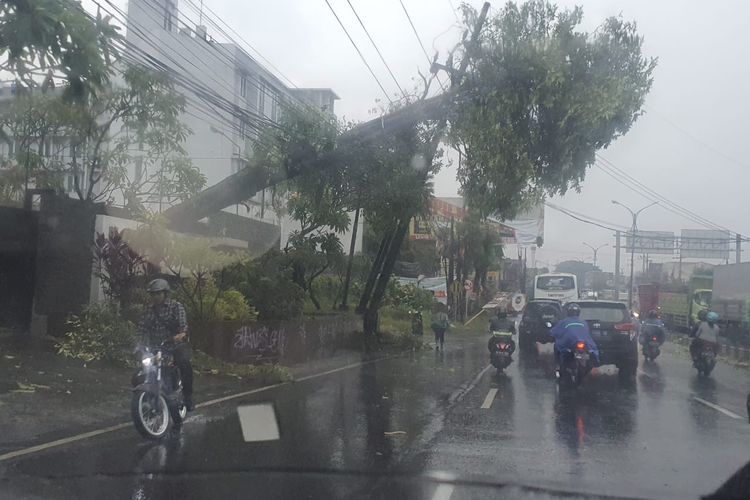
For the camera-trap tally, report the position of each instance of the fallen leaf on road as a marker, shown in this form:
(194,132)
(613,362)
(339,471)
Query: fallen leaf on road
(67,392)
(394,433)
(40,373)
(68,380)
(9,357)
(214,372)
(385,397)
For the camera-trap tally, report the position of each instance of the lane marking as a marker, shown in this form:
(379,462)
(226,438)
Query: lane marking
(718,408)
(463,391)
(444,491)
(489,399)
(86,435)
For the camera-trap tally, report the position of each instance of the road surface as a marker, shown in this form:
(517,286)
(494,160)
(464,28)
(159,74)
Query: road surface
(426,425)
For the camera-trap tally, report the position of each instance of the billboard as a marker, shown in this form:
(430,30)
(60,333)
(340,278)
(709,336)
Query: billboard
(651,242)
(704,244)
(526,229)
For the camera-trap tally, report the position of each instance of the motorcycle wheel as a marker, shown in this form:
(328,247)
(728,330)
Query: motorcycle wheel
(150,414)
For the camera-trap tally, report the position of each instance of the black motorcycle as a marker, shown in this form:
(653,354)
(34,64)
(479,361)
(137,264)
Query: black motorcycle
(651,348)
(157,404)
(574,365)
(501,350)
(705,359)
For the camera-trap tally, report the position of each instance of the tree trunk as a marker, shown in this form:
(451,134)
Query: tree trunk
(385,274)
(451,269)
(347,279)
(377,265)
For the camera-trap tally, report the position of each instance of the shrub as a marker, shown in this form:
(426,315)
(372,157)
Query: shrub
(232,306)
(408,297)
(99,333)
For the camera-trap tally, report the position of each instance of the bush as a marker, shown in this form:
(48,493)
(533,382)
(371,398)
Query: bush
(267,284)
(232,306)
(408,297)
(100,333)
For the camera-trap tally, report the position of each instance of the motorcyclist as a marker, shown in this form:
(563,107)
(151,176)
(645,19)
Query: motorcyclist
(165,319)
(572,330)
(500,326)
(652,326)
(708,332)
(701,318)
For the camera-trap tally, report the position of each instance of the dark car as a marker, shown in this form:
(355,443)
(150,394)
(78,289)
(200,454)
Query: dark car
(615,333)
(536,314)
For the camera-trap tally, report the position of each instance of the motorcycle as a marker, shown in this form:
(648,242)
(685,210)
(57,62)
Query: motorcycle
(157,404)
(706,359)
(651,348)
(574,365)
(501,355)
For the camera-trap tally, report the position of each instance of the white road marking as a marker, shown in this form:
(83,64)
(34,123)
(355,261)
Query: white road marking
(718,408)
(113,428)
(444,491)
(463,391)
(489,399)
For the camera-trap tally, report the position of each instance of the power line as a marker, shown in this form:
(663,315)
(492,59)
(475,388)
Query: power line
(377,49)
(419,39)
(359,52)
(640,188)
(706,145)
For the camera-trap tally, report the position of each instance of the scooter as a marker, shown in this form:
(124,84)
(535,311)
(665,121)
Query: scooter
(574,365)
(706,359)
(651,348)
(157,404)
(501,356)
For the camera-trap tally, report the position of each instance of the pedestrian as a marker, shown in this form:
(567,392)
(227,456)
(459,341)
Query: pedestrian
(164,319)
(440,324)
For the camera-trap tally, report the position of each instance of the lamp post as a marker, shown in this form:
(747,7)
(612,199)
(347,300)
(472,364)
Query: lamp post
(632,243)
(595,249)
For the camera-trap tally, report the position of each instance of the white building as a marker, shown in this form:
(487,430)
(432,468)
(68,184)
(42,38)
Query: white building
(220,140)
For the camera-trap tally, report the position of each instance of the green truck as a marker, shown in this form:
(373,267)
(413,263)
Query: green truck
(680,306)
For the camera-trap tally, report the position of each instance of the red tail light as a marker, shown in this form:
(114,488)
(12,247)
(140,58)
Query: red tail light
(503,347)
(625,327)
(581,346)
(654,338)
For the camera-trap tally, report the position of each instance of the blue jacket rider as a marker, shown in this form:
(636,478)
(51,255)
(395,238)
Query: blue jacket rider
(572,330)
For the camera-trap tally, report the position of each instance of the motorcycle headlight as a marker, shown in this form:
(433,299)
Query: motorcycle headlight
(147,361)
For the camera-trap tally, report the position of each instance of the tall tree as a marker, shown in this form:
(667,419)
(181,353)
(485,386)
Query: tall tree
(40,38)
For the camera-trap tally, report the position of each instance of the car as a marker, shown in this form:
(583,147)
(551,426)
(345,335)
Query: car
(615,332)
(532,327)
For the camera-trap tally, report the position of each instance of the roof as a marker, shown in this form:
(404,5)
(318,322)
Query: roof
(318,89)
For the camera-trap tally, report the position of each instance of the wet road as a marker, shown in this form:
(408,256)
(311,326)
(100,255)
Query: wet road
(406,427)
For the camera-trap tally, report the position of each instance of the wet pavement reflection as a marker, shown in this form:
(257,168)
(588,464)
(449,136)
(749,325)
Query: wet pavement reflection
(378,429)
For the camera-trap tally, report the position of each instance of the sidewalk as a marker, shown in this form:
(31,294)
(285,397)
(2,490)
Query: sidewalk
(44,396)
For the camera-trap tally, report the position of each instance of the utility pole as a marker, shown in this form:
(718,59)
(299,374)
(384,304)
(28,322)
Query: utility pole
(633,230)
(595,250)
(738,249)
(617,265)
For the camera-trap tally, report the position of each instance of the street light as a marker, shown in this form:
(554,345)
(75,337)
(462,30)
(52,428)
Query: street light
(595,249)
(633,229)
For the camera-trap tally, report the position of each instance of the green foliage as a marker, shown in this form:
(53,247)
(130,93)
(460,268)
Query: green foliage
(137,123)
(206,302)
(539,99)
(264,374)
(59,36)
(408,297)
(100,333)
(267,284)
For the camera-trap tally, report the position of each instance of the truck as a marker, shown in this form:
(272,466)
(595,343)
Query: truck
(731,299)
(679,306)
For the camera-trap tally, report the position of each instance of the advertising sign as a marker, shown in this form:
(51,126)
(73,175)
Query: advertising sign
(651,242)
(704,244)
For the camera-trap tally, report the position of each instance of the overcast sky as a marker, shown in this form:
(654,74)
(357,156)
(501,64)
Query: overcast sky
(689,146)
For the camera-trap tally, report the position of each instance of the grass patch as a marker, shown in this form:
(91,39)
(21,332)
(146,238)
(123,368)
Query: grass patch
(265,374)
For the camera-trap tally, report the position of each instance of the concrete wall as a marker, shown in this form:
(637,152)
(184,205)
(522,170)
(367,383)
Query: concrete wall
(18,237)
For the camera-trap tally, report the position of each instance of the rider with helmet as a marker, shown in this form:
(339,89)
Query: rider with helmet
(165,319)
(572,330)
(652,326)
(500,326)
(708,333)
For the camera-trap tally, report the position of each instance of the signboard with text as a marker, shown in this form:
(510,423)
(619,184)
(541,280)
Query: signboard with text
(705,244)
(651,242)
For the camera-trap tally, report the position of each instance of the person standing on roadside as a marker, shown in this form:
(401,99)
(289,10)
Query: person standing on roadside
(440,324)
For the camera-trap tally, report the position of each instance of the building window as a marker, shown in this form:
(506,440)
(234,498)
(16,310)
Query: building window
(243,85)
(170,14)
(243,128)
(262,96)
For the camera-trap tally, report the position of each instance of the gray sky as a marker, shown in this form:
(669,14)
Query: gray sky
(688,146)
